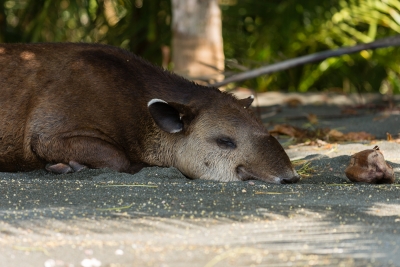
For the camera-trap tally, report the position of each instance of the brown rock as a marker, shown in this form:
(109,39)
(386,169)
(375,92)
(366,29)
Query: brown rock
(369,166)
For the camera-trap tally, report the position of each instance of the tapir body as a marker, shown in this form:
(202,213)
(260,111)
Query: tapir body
(68,106)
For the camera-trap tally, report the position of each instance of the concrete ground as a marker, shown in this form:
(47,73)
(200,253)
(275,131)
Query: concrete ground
(160,218)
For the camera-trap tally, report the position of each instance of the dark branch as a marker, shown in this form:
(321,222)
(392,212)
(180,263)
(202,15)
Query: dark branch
(385,42)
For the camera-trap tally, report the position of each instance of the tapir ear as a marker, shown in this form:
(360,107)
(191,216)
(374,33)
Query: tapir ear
(246,102)
(170,117)
(165,116)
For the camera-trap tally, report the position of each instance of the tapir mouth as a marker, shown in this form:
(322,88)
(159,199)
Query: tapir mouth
(245,175)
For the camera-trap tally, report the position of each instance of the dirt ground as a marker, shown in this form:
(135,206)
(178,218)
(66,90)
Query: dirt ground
(158,217)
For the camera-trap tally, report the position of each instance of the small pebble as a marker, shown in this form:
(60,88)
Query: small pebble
(91,263)
(50,263)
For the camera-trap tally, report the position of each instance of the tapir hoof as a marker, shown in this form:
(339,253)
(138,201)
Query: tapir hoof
(62,168)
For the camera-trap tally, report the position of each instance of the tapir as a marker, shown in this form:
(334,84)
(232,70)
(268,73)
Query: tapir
(69,106)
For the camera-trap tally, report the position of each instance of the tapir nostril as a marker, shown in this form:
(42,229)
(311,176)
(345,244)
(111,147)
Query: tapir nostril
(292,180)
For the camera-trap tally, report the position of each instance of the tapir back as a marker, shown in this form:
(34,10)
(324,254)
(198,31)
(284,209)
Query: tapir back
(63,87)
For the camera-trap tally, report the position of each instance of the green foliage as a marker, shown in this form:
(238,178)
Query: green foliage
(255,33)
(140,26)
(272,31)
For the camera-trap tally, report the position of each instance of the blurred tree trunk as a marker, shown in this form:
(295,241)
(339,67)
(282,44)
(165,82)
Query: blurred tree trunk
(197,45)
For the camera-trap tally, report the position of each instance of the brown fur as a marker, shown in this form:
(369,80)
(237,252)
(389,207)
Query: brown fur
(68,106)
(369,166)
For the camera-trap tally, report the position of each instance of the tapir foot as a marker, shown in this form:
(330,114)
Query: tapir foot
(76,166)
(62,168)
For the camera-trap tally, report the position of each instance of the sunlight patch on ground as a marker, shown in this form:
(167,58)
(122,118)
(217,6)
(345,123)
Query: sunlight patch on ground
(383,209)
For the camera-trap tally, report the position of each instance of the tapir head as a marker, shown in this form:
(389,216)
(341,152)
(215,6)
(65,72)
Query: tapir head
(221,140)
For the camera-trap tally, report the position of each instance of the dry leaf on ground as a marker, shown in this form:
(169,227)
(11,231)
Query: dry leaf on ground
(325,134)
(312,118)
(335,135)
(293,102)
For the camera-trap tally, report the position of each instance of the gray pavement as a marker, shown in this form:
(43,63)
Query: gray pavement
(160,218)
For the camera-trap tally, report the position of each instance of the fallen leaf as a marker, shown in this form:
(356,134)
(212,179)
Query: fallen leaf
(287,130)
(389,137)
(335,134)
(293,102)
(357,136)
(312,118)
(319,136)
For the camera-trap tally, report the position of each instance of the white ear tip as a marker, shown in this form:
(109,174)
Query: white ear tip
(252,96)
(176,131)
(155,100)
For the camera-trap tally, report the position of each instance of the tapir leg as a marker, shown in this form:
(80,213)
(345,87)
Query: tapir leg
(73,153)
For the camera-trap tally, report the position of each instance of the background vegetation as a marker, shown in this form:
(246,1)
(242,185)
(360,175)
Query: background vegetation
(255,33)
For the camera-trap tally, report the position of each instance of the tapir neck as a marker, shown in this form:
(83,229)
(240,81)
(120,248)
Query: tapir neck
(160,149)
